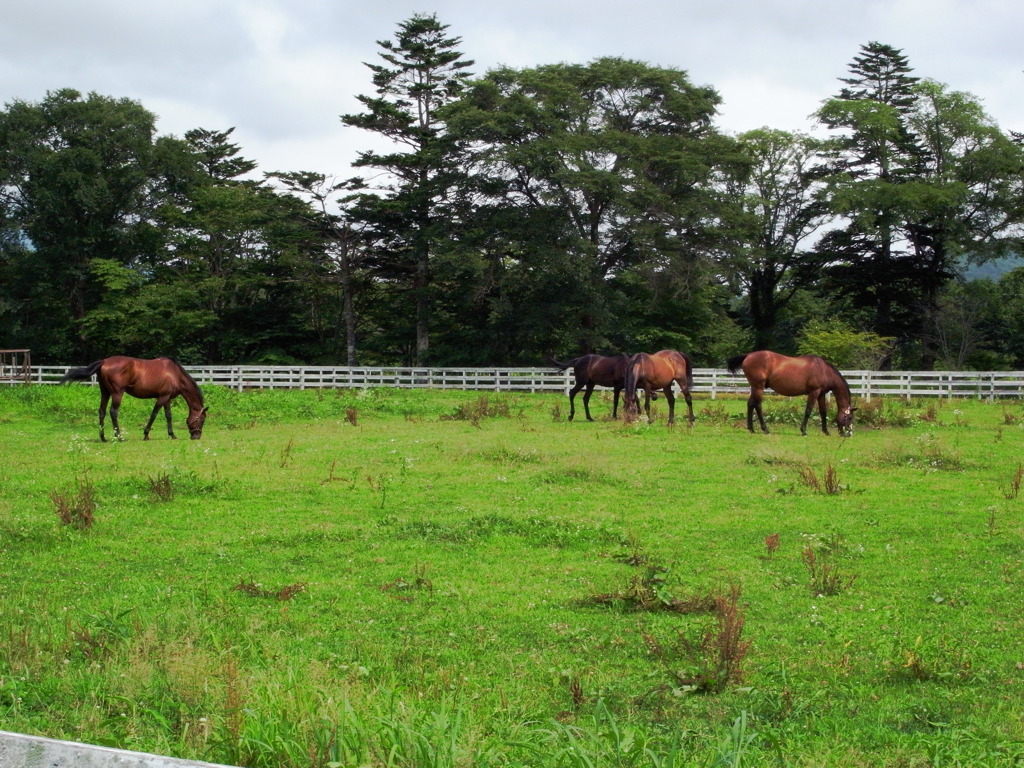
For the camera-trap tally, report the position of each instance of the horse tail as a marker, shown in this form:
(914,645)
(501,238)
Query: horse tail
(81,374)
(629,384)
(736,363)
(562,366)
(689,371)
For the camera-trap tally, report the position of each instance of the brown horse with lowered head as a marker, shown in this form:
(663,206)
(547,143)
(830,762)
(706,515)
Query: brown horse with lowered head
(591,370)
(658,371)
(163,379)
(793,376)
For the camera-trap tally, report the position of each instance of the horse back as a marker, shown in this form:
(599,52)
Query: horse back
(789,376)
(143,378)
(670,365)
(608,371)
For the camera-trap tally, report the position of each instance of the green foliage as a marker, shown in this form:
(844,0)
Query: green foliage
(559,208)
(592,173)
(842,346)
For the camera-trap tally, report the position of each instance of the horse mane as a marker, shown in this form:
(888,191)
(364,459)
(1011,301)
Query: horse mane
(841,379)
(188,376)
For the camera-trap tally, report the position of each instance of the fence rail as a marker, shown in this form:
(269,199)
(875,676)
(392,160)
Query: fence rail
(988,385)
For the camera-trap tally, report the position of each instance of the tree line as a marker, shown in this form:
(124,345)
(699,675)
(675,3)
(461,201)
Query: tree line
(559,209)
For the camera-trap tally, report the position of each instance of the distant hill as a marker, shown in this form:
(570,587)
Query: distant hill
(992,270)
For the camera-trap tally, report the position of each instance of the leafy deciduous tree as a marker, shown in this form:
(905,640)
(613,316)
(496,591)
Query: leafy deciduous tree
(602,169)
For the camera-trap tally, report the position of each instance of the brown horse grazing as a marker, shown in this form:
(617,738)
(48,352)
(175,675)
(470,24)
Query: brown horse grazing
(591,370)
(658,371)
(791,376)
(162,378)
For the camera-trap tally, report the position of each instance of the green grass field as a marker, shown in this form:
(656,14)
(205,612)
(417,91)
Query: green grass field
(422,578)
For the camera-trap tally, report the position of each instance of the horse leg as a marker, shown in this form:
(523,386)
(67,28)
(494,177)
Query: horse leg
(152,418)
(823,411)
(586,400)
(104,397)
(115,408)
(572,399)
(671,404)
(807,412)
(754,405)
(170,426)
(689,402)
(615,402)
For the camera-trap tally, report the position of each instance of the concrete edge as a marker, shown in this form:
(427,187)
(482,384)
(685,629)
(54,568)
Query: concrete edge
(18,750)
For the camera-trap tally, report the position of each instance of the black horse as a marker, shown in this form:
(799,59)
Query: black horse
(591,370)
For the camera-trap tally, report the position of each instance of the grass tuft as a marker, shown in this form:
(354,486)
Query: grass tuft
(161,488)
(285,593)
(712,660)
(76,508)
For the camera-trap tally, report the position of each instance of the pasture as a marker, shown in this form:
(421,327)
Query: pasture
(420,578)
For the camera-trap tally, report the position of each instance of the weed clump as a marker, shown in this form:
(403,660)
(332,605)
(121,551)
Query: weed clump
(829,484)
(879,412)
(713,659)
(477,410)
(926,452)
(77,507)
(102,633)
(252,589)
(651,592)
(400,587)
(161,488)
(826,577)
(1014,490)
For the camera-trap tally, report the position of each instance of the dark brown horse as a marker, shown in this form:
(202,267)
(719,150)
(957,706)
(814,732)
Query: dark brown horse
(658,371)
(793,376)
(591,370)
(162,378)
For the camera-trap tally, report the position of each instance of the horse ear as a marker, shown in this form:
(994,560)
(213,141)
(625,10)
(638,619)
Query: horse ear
(205,411)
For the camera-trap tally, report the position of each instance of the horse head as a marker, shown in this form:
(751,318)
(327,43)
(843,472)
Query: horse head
(844,421)
(195,422)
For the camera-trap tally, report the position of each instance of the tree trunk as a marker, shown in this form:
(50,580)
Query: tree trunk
(421,288)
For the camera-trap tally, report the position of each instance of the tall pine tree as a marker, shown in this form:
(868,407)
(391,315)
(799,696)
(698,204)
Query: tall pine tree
(423,71)
(870,164)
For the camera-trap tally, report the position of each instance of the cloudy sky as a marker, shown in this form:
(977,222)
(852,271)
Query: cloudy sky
(281,71)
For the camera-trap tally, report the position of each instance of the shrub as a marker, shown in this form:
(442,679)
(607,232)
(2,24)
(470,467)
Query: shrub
(844,347)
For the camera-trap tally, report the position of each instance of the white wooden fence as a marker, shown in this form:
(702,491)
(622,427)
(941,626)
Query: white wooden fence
(713,381)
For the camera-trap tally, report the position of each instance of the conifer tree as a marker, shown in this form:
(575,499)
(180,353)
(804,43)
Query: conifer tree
(870,162)
(423,71)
